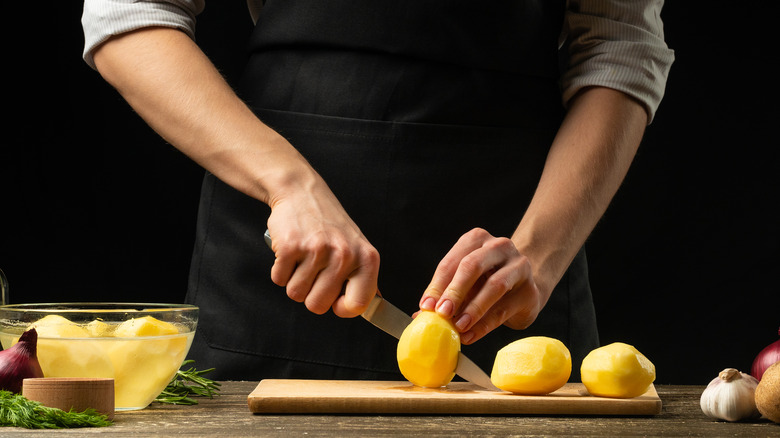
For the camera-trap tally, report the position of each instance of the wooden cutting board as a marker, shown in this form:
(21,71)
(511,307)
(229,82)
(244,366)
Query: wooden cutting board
(283,396)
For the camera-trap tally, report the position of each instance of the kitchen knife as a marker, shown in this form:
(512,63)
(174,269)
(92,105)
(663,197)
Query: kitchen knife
(393,321)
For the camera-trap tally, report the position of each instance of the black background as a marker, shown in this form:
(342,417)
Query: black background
(95,206)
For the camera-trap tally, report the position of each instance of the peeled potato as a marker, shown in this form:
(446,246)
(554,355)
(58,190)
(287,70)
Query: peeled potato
(56,326)
(63,358)
(428,350)
(98,329)
(145,359)
(534,365)
(145,326)
(617,370)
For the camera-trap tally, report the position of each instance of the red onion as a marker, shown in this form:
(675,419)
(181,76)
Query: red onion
(765,358)
(20,362)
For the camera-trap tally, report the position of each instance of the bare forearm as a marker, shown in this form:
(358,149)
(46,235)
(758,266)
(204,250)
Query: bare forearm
(168,80)
(486,281)
(173,86)
(587,163)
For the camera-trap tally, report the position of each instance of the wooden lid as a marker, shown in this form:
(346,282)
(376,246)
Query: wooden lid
(77,393)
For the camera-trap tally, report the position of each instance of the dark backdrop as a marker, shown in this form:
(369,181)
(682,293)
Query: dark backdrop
(94,206)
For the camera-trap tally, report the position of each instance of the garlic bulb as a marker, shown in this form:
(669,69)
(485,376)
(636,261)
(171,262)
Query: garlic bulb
(730,396)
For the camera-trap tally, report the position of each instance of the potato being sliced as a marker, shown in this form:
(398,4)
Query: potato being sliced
(428,350)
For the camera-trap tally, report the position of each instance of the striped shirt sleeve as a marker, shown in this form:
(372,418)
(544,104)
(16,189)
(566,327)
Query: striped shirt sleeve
(617,44)
(612,43)
(102,19)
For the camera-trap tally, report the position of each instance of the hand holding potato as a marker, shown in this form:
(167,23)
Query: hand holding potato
(483,282)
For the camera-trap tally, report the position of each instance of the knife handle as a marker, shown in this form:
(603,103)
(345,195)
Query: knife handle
(267,238)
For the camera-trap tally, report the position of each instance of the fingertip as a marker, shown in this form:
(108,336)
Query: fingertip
(282,270)
(428,303)
(355,299)
(445,308)
(341,310)
(463,322)
(356,307)
(316,310)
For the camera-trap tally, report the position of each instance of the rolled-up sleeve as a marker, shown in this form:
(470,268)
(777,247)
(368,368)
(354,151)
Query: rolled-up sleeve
(102,19)
(617,44)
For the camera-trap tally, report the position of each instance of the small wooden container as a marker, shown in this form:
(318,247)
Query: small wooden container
(77,393)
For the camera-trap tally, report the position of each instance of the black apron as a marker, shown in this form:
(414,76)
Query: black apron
(427,118)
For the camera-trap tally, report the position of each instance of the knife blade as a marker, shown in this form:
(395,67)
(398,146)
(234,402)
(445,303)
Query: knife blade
(392,320)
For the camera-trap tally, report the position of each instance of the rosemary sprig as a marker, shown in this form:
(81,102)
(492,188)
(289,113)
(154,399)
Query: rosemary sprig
(18,411)
(187,383)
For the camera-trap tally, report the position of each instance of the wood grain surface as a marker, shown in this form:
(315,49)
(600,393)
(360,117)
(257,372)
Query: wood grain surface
(227,415)
(400,397)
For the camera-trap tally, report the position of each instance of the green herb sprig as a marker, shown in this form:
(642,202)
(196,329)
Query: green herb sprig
(186,384)
(18,411)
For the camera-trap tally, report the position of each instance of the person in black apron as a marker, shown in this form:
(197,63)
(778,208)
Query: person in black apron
(427,131)
(424,118)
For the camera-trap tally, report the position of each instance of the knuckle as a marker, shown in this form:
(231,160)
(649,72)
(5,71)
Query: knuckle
(478,232)
(505,246)
(322,246)
(519,322)
(499,243)
(476,310)
(470,266)
(454,295)
(285,252)
(474,234)
(500,316)
(316,305)
(317,252)
(370,256)
(525,262)
(340,260)
(498,283)
(296,293)
(278,277)
(446,265)
(523,318)
(338,251)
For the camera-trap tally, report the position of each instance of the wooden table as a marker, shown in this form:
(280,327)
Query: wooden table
(228,416)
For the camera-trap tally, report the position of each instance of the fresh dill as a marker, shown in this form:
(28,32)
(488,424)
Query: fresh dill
(187,384)
(18,411)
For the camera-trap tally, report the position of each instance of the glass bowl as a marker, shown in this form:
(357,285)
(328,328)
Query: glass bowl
(139,345)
